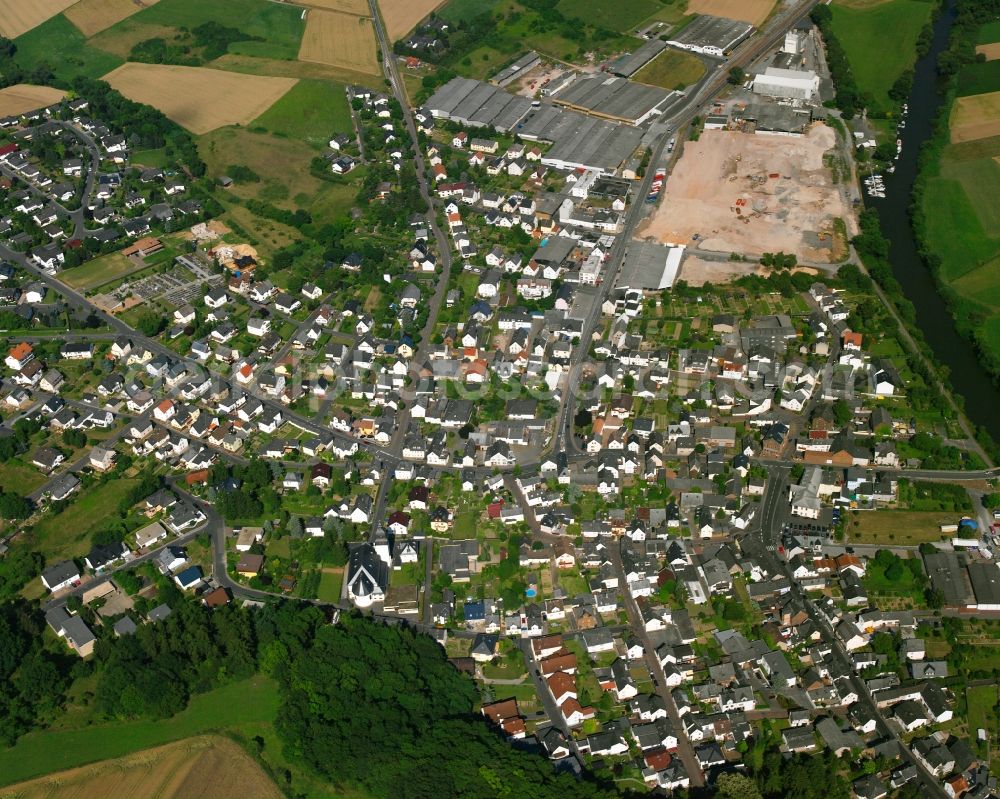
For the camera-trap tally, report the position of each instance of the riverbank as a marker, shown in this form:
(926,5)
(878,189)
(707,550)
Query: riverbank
(956,200)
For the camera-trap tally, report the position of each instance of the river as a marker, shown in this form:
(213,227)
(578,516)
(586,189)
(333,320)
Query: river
(982,398)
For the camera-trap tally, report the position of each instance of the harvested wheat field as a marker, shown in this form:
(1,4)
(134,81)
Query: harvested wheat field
(975,117)
(207,767)
(94,16)
(751,194)
(402,16)
(340,40)
(199,99)
(20,16)
(23,97)
(991,51)
(752,11)
(359,8)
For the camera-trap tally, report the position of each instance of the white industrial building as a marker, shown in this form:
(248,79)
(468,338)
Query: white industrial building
(787,84)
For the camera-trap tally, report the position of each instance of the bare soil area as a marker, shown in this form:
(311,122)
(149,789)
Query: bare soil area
(751,194)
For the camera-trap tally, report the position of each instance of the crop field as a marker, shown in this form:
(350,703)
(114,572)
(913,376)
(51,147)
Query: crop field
(402,16)
(279,26)
(671,69)
(980,77)
(76,55)
(861,31)
(991,50)
(195,768)
(358,7)
(18,16)
(341,40)
(249,701)
(93,16)
(23,97)
(621,16)
(976,116)
(312,112)
(752,11)
(199,99)
(310,70)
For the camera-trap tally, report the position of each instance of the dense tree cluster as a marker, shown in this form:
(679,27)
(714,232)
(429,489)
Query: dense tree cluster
(146,127)
(31,680)
(848,98)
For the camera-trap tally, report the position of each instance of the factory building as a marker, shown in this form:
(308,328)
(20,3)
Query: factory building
(787,84)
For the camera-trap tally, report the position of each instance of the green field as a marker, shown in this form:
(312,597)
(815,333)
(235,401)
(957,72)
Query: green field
(58,44)
(464,10)
(330,586)
(989,33)
(671,69)
(979,78)
(67,534)
(279,26)
(621,16)
(312,111)
(896,526)
(862,32)
(245,702)
(19,477)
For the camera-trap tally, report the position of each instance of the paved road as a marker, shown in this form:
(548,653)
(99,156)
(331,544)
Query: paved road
(768,535)
(684,748)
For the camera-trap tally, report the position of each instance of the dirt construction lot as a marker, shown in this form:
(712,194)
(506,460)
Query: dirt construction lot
(975,117)
(23,97)
(726,172)
(93,16)
(402,16)
(199,99)
(207,767)
(752,11)
(341,40)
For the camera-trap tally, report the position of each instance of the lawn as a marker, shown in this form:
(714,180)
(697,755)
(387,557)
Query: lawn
(19,477)
(897,526)
(671,69)
(862,33)
(465,10)
(330,585)
(151,158)
(312,111)
(58,44)
(99,271)
(621,16)
(67,534)
(245,702)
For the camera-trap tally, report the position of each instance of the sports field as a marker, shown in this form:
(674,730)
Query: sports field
(752,11)
(341,40)
(862,32)
(23,97)
(20,16)
(93,16)
(199,99)
(402,16)
(195,768)
(98,271)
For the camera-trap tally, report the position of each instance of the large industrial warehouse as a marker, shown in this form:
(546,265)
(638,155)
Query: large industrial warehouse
(713,36)
(787,84)
(617,99)
(578,140)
